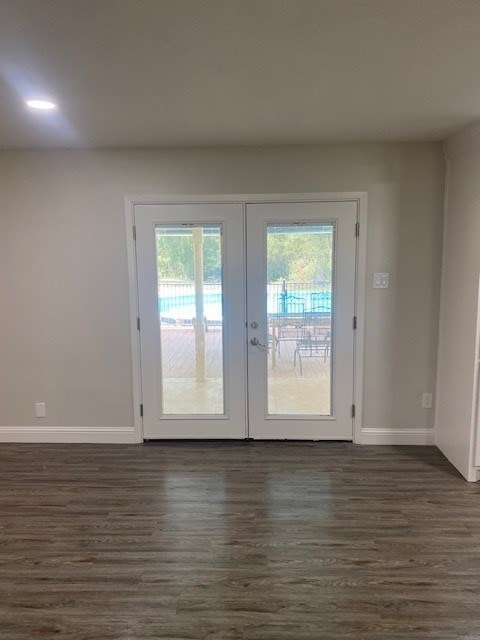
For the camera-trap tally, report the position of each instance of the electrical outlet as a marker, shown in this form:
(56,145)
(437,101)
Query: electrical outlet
(40,410)
(381,280)
(427,400)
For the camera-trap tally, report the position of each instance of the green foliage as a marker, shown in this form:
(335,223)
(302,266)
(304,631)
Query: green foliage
(175,257)
(299,257)
(295,257)
(212,259)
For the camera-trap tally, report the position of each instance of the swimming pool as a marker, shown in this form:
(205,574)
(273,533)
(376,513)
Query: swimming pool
(181,309)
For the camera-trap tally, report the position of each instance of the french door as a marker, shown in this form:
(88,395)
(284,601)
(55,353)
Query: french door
(246,319)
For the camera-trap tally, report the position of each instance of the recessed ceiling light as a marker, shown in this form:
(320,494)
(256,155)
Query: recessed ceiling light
(45,105)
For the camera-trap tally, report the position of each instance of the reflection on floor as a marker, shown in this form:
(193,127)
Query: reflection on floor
(289,392)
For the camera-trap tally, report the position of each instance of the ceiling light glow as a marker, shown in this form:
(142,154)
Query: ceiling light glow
(44,105)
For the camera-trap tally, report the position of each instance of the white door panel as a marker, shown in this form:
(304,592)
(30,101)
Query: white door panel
(192,355)
(301,387)
(194,290)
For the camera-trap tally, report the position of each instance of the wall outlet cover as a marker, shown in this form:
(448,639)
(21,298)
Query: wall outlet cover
(381,280)
(40,410)
(427,401)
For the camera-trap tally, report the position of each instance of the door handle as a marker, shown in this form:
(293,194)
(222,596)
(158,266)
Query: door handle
(256,343)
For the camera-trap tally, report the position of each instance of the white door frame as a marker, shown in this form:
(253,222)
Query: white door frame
(360,197)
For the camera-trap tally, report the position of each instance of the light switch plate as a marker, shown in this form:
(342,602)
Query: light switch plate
(380,280)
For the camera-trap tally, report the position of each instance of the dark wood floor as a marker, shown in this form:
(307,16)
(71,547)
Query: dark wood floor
(236,541)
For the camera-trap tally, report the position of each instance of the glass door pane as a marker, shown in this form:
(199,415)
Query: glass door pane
(300,259)
(190,316)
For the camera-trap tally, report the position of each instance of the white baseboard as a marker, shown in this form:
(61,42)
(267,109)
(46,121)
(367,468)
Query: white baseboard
(376,435)
(100,435)
(127,435)
(473,474)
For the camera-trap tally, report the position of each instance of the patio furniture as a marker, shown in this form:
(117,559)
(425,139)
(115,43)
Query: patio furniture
(314,338)
(287,319)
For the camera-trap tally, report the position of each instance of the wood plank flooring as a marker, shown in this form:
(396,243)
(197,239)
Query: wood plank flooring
(244,541)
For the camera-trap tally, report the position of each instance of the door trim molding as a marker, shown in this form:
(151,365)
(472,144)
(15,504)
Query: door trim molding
(360,197)
(134,314)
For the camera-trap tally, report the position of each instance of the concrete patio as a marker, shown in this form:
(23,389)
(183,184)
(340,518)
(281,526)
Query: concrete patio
(289,392)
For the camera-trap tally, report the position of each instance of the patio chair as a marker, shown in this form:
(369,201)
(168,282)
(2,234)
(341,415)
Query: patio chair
(314,339)
(289,319)
(321,300)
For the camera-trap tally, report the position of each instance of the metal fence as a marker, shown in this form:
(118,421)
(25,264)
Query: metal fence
(176,300)
(297,297)
(172,295)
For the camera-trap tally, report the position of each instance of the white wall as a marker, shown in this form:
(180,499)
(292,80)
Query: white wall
(458,318)
(64,335)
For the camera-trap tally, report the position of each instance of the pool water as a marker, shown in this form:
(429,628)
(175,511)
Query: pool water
(182,308)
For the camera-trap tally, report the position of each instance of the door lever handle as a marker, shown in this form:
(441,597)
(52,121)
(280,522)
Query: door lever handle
(256,343)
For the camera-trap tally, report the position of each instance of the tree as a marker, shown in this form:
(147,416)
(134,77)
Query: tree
(299,257)
(175,258)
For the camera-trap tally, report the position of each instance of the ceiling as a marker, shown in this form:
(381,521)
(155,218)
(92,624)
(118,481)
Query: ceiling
(157,73)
